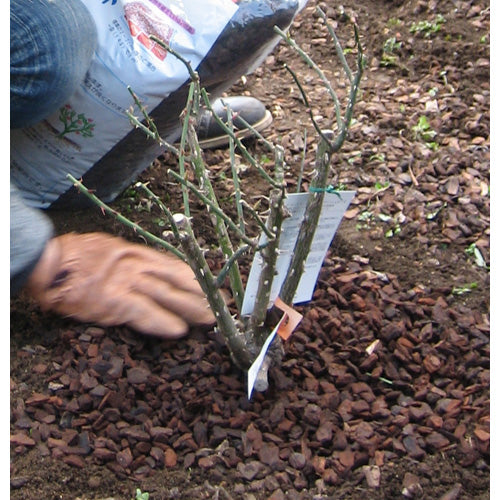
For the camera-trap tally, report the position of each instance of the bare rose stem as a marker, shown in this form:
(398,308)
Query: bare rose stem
(256,322)
(242,349)
(244,335)
(205,186)
(328,145)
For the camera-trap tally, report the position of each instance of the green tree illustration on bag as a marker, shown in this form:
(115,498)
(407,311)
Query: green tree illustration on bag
(74,122)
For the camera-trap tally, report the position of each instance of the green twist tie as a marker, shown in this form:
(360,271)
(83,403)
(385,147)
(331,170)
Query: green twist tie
(329,189)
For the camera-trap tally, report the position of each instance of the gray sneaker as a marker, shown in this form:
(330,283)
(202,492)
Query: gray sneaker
(211,135)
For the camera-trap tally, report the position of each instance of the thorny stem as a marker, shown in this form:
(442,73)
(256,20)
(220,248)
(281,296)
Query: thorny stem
(223,238)
(235,176)
(241,146)
(212,207)
(257,134)
(256,325)
(227,266)
(150,124)
(270,253)
(306,101)
(150,129)
(309,223)
(337,144)
(338,47)
(290,41)
(182,149)
(138,229)
(238,345)
(258,220)
(192,73)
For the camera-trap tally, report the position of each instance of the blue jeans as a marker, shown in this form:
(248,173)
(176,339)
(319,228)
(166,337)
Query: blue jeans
(51,45)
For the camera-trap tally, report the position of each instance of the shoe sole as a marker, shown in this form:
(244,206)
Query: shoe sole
(223,140)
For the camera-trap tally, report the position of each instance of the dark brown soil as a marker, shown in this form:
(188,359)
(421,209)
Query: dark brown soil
(388,373)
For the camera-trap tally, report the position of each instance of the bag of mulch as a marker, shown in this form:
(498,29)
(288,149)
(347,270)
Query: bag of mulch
(91,136)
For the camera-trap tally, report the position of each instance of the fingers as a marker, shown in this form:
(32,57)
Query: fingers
(108,252)
(173,270)
(114,305)
(143,314)
(158,321)
(193,308)
(110,281)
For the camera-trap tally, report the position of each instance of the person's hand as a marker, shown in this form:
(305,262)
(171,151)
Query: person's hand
(95,277)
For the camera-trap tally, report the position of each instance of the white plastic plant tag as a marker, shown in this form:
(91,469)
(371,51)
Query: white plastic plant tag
(332,211)
(285,327)
(253,371)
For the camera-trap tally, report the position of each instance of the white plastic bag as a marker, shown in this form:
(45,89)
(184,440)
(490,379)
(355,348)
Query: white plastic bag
(91,136)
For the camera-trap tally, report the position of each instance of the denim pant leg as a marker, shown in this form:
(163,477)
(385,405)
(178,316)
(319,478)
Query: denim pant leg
(52,43)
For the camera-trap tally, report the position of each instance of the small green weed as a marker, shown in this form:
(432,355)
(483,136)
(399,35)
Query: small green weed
(377,157)
(265,160)
(391,45)
(130,192)
(461,290)
(139,495)
(159,221)
(428,28)
(394,21)
(395,227)
(424,131)
(367,218)
(381,186)
(364,219)
(393,231)
(473,251)
(389,52)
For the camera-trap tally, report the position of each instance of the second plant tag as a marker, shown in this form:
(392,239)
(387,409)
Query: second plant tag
(332,211)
